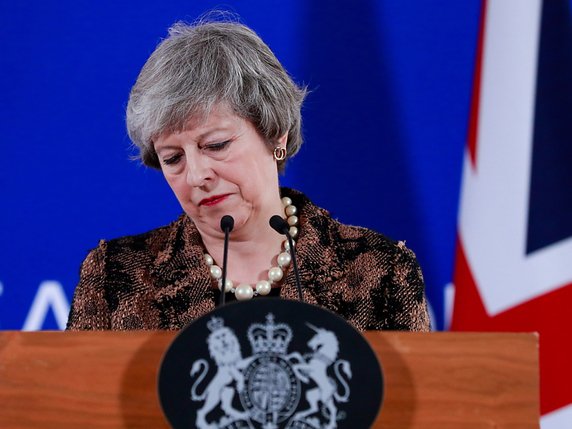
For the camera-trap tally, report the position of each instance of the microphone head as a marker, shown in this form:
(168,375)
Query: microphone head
(279,225)
(227,223)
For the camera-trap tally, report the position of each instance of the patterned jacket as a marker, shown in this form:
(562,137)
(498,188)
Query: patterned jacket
(159,280)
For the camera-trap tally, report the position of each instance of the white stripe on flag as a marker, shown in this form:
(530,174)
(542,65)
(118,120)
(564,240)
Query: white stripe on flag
(559,419)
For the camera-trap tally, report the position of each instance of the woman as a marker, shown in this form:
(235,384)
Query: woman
(216,112)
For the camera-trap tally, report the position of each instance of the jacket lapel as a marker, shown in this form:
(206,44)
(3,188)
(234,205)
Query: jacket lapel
(318,256)
(184,288)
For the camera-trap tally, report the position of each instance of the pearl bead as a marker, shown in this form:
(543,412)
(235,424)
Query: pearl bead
(284,259)
(293,231)
(209,259)
(244,292)
(216,271)
(293,220)
(228,284)
(275,274)
(263,287)
(290,210)
(286,201)
(286,245)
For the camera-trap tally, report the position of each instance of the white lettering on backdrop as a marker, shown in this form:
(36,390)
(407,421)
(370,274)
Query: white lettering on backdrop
(50,295)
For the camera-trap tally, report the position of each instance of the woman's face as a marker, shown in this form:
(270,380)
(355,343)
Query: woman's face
(221,166)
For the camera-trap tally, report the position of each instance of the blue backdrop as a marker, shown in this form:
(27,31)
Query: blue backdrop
(385,128)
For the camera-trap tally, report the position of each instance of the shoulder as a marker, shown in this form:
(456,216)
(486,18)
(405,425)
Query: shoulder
(387,262)
(122,262)
(350,240)
(150,244)
(395,279)
(114,274)
(377,280)
(153,241)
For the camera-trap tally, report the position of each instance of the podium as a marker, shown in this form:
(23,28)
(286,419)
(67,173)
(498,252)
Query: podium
(108,380)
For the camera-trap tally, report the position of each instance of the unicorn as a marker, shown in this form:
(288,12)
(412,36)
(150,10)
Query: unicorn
(325,347)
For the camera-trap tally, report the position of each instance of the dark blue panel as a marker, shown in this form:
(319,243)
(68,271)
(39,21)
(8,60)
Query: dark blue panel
(550,209)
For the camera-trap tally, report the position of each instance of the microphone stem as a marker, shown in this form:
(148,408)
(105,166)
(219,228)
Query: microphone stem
(224,260)
(295,263)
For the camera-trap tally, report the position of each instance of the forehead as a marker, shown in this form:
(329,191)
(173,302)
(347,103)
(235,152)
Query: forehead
(219,115)
(199,127)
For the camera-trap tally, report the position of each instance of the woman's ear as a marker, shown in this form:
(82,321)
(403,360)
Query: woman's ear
(282,141)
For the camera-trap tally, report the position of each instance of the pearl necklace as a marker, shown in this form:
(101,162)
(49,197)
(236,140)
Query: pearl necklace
(244,291)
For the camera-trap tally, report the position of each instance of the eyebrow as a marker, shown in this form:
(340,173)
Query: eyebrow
(225,125)
(204,135)
(200,138)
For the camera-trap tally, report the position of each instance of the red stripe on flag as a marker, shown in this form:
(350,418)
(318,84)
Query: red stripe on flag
(549,314)
(475,97)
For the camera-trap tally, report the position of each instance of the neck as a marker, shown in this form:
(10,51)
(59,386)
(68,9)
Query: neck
(252,248)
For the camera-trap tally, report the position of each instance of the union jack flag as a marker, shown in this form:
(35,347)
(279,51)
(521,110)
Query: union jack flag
(513,268)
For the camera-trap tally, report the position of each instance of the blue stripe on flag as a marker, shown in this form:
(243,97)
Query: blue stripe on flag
(550,207)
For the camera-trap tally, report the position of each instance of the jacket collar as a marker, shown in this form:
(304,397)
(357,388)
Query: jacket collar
(318,253)
(181,275)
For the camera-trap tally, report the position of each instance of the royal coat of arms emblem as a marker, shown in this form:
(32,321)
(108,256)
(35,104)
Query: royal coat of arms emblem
(271,364)
(271,381)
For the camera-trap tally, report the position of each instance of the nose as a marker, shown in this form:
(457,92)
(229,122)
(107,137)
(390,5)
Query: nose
(199,172)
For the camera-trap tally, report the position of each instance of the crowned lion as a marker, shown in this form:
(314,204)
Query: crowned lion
(224,348)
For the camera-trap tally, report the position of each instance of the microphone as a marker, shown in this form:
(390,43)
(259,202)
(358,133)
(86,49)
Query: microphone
(281,227)
(226,225)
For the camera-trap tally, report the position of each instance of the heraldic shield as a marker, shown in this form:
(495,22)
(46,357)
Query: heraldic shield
(269,364)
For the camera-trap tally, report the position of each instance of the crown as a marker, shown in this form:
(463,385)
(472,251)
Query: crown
(215,324)
(269,337)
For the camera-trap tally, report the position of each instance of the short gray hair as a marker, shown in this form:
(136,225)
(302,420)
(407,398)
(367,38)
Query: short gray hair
(201,65)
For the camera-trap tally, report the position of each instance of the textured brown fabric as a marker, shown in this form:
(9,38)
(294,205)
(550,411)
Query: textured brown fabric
(159,280)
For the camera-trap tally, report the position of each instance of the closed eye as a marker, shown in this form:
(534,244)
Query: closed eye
(172,160)
(215,147)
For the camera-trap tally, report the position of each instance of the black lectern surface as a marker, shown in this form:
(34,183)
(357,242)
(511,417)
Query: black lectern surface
(270,364)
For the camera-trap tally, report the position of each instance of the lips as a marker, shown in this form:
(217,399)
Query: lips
(214,200)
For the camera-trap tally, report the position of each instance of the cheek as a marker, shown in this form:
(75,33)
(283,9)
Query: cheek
(178,185)
(255,173)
